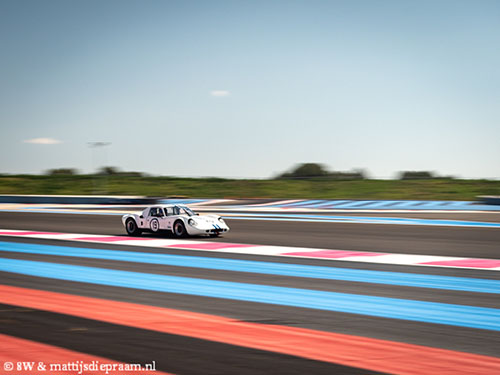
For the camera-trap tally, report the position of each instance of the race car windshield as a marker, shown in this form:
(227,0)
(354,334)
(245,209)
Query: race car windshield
(184,211)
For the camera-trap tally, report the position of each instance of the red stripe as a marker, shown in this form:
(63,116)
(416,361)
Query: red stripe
(210,246)
(331,254)
(14,350)
(475,263)
(23,233)
(356,351)
(111,238)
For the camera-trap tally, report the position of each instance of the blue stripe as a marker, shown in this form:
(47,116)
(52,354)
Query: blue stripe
(269,268)
(380,204)
(182,201)
(329,204)
(394,205)
(361,220)
(303,203)
(355,205)
(343,203)
(428,312)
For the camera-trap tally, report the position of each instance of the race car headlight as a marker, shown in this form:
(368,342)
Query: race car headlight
(192,222)
(221,220)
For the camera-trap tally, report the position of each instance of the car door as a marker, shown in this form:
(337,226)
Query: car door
(155,219)
(169,218)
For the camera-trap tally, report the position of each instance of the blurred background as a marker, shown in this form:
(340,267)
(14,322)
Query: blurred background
(238,89)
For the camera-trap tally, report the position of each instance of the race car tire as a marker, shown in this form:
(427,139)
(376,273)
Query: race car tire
(154,225)
(179,229)
(132,228)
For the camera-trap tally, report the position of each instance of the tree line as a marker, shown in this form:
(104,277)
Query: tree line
(104,171)
(316,170)
(300,171)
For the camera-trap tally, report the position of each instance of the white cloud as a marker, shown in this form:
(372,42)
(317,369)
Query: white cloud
(42,141)
(220,93)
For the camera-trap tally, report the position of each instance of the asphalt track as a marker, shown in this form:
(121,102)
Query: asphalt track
(24,317)
(408,239)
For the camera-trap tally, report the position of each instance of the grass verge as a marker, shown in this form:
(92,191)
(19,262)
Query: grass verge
(432,189)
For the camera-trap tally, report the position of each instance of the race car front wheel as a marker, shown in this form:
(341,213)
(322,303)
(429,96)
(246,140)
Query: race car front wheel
(132,229)
(179,229)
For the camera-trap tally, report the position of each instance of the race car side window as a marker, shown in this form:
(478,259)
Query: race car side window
(176,210)
(168,211)
(156,211)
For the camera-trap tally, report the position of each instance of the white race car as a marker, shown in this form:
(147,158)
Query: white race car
(178,219)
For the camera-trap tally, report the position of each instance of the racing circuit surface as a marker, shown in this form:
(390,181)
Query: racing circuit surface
(225,312)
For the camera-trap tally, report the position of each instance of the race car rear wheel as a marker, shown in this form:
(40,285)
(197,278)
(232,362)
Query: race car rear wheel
(179,229)
(132,228)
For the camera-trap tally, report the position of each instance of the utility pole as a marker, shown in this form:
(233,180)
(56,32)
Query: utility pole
(94,146)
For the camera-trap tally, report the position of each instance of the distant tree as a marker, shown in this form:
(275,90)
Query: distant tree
(114,171)
(314,170)
(306,170)
(416,175)
(62,171)
(109,171)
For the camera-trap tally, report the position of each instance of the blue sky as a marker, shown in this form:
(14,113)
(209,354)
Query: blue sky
(250,88)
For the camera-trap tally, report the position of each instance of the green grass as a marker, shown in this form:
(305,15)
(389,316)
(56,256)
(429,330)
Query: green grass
(433,189)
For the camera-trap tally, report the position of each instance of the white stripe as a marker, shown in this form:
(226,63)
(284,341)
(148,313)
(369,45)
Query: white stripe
(385,258)
(12,230)
(61,236)
(399,259)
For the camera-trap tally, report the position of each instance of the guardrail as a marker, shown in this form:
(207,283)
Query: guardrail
(77,199)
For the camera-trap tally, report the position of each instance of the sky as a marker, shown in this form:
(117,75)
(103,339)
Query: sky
(250,88)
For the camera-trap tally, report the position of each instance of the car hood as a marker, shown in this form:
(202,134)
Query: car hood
(211,219)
